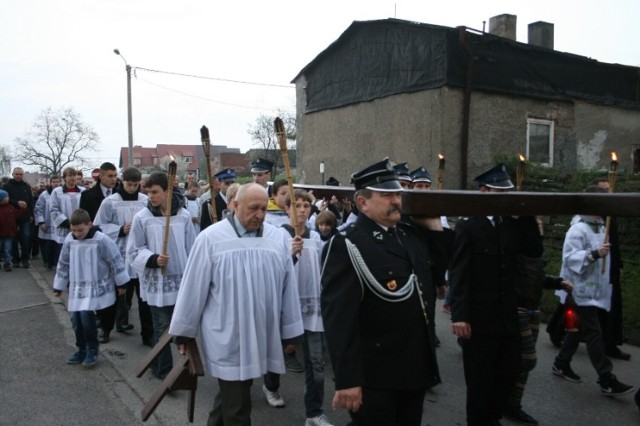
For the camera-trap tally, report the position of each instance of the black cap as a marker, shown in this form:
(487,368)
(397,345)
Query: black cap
(260,165)
(332,181)
(402,170)
(227,175)
(496,177)
(420,175)
(378,177)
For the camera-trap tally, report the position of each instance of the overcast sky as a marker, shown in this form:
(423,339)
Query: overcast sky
(60,54)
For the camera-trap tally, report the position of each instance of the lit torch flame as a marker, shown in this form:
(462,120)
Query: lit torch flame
(614,157)
(440,156)
(521,157)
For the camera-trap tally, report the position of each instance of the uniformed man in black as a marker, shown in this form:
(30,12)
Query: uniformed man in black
(484,302)
(377,283)
(227,177)
(261,173)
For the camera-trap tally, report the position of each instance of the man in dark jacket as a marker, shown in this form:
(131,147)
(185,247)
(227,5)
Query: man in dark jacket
(91,199)
(484,303)
(21,197)
(377,281)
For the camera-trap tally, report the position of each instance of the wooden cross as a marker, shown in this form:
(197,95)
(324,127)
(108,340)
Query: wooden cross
(476,203)
(183,375)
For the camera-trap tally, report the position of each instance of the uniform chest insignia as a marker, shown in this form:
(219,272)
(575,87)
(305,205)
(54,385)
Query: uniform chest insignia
(377,235)
(392,285)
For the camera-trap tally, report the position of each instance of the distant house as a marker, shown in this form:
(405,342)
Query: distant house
(410,91)
(190,158)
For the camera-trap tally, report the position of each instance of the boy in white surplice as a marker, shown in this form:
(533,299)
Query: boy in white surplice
(90,266)
(144,251)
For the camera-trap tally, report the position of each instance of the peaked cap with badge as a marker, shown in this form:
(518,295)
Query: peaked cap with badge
(420,175)
(496,177)
(227,175)
(260,165)
(380,176)
(402,170)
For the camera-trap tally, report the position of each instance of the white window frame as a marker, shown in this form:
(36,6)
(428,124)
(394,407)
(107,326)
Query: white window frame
(188,159)
(551,125)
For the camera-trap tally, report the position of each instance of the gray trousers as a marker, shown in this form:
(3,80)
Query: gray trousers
(592,334)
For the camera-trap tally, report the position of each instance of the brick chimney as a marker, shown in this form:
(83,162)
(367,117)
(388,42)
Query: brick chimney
(503,26)
(541,34)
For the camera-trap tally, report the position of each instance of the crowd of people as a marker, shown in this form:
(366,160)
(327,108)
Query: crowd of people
(264,276)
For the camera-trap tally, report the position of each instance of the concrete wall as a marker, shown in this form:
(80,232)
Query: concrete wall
(416,127)
(406,127)
(600,130)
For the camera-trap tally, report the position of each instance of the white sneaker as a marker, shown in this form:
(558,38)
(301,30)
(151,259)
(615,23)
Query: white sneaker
(320,420)
(273,398)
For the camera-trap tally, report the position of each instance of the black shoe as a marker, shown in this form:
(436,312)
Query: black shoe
(519,416)
(610,386)
(26,264)
(618,354)
(124,328)
(436,341)
(103,336)
(147,342)
(566,372)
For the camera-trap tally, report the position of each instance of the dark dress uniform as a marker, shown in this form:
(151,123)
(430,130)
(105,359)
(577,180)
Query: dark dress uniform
(483,284)
(382,344)
(205,215)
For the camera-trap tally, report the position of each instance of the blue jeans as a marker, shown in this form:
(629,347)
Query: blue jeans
(161,318)
(313,373)
(5,250)
(84,326)
(24,240)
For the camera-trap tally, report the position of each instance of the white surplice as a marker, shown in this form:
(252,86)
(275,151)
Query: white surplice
(241,293)
(42,214)
(90,268)
(62,205)
(308,276)
(590,286)
(145,240)
(113,214)
(193,206)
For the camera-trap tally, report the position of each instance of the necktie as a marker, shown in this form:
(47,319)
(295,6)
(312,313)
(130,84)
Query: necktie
(108,192)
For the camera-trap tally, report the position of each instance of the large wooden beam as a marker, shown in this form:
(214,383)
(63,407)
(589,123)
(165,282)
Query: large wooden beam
(476,203)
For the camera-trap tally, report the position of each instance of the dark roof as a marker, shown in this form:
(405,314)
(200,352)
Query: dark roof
(373,59)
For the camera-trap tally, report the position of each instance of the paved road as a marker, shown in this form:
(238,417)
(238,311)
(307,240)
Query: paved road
(37,387)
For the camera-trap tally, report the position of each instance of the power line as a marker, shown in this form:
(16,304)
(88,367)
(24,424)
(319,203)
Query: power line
(203,98)
(216,78)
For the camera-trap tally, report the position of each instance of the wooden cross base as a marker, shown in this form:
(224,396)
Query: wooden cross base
(183,375)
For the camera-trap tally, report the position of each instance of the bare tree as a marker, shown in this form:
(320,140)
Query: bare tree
(57,139)
(263,134)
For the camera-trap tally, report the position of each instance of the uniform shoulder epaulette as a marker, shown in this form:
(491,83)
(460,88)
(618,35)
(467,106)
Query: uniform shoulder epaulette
(348,230)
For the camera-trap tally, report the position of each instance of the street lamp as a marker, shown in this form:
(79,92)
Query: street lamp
(322,172)
(130,120)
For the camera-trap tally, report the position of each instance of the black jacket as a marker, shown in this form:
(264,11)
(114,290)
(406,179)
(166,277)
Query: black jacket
(373,342)
(91,199)
(20,191)
(484,272)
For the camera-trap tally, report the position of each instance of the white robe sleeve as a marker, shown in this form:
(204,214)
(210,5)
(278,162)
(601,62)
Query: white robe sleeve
(194,289)
(61,280)
(107,220)
(38,210)
(137,251)
(57,216)
(110,253)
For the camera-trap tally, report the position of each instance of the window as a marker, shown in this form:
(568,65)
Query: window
(188,159)
(137,162)
(540,141)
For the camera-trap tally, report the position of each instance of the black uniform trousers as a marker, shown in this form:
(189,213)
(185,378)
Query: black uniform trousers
(491,368)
